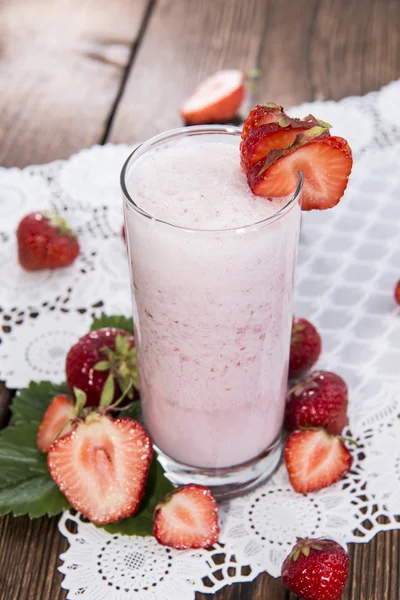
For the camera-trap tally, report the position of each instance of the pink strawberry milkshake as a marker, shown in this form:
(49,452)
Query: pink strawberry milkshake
(212,279)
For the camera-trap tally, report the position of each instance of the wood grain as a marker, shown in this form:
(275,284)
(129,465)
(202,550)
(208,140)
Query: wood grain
(319,49)
(184,42)
(61,66)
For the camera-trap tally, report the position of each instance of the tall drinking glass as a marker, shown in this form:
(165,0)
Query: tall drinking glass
(212,308)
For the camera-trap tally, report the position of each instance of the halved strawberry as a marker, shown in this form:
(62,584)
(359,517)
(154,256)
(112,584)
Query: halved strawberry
(56,421)
(326,163)
(187,518)
(262,114)
(101,467)
(314,459)
(216,100)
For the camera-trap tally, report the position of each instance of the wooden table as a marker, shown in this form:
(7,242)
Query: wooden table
(79,72)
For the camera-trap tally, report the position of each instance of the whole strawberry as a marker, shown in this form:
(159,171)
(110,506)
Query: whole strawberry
(305,347)
(45,241)
(97,354)
(397,292)
(319,400)
(316,569)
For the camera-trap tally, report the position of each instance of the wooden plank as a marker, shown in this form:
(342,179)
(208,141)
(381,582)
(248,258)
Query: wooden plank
(319,49)
(61,67)
(306,50)
(185,41)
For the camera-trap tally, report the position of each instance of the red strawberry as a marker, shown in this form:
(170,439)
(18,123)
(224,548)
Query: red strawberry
(320,400)
(95,356)
(262,114)
(326,162)
(216,100)
(316,569)
(56,421)
(101,467)
(45,241)
(315,459)
(187,518)
(397,293)
(305,347)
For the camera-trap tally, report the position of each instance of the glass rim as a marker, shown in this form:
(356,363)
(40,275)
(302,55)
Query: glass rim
(142,148)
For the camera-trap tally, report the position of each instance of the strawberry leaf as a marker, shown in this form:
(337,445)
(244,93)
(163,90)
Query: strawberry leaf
(107,393)
(80,400)
(25,483)
(117,321)
(102,365)
(30,404)
(157,486)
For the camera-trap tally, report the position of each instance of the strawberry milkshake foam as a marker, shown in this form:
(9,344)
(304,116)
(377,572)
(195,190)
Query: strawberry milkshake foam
(212,279)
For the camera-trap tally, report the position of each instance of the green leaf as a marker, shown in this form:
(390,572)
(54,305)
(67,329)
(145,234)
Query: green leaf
(81,398)
(30,404)
(25,483)
(117,321)
(102,365)
(107,393)
(157,486)
(122,344)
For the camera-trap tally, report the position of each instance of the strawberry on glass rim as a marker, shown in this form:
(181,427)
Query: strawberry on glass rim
(275,147)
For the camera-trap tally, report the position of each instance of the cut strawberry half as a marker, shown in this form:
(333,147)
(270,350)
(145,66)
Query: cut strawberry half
(101,467)
(314,459)
(326,163)
(187,518)
(216,100)
(57,421)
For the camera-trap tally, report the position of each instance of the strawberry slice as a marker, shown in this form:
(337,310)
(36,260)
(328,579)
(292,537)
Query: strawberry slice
(56,421)
(101,467)
(216,100)
(326,163)
(276,136)
(263,139)
(187,518)
(315,459)
(262,114)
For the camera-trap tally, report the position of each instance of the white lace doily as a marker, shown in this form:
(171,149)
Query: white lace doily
(349,263)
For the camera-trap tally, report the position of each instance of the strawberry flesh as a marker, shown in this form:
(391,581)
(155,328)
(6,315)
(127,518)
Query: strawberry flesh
(187,518)
(101,467)
(320,400)
(56,422)
(216,100)
(316,569)
(305,347)
(45,241)
(263,139)
(326,162)
(314,459)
